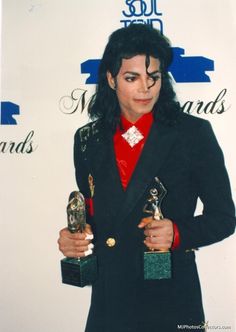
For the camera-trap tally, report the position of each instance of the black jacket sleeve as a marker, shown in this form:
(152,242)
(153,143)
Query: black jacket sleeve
(217,220)
(81,171)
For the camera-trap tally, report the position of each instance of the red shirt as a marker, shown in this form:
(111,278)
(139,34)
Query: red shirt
(127,156)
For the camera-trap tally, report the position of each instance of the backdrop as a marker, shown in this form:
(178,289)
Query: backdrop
(50,52)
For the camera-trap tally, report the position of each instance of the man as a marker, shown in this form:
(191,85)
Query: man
(139,133)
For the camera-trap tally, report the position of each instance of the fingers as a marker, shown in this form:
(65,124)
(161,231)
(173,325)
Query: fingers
(73,248)
(159,234)
(75,244)
(145,221)
(158,243)
(88,229)
(155,228)
(87,234)
(81,251)
(150,223)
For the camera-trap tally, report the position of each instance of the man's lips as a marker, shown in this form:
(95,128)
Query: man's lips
(143,101)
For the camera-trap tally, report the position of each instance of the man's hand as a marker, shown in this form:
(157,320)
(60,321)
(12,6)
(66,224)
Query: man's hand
(75,244)
(159,233)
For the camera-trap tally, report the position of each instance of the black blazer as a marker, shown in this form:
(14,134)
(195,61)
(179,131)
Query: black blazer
(189,162)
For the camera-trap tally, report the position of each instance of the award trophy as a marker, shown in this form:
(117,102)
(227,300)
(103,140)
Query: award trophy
(157,263)
(78,271)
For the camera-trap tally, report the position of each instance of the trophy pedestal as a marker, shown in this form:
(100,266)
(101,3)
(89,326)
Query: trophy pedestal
(157,265)
(79,272)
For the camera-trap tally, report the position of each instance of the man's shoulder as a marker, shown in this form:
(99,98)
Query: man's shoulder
(88,131)
(191,122)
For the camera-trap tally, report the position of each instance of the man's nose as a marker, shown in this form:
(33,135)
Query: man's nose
(143,87)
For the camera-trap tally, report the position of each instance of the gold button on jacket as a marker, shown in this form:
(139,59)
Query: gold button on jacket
(110,242)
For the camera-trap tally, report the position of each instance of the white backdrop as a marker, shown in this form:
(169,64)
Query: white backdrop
(43,45)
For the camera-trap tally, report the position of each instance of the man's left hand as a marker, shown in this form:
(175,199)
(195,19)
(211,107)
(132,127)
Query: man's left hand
(159,233)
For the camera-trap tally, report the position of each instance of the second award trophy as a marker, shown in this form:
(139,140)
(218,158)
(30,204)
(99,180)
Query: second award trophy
(157,264)
(78,271)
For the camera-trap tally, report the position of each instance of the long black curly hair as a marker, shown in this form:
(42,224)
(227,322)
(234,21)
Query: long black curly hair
(125,43)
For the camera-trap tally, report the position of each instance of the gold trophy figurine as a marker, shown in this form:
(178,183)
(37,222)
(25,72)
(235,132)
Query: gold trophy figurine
(78,271)
(157,263)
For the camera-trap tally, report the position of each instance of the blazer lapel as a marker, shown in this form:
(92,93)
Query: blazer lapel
(106,176)
(155,151)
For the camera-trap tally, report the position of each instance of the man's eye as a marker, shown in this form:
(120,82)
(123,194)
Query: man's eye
(154,77)
(130,78)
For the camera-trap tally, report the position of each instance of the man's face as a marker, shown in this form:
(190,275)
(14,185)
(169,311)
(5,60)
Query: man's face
(137,87)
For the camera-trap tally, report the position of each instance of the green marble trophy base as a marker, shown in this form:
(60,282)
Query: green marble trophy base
(157,265)
(79,272)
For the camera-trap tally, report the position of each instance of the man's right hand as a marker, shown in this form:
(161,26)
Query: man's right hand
(75,244)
